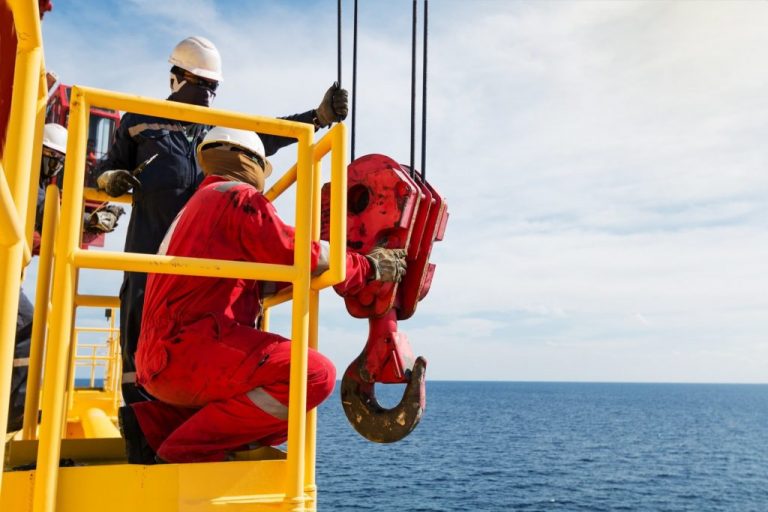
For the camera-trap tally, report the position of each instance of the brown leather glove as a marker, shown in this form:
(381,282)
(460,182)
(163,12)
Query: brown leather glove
(334,107)
(104,220)
(388,264)
(118,182)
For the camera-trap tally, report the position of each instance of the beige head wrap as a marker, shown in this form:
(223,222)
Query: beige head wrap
(235,166)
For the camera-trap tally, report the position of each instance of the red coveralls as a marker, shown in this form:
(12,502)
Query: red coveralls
(220,383)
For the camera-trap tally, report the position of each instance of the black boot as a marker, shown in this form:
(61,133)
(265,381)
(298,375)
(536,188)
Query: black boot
(137,449)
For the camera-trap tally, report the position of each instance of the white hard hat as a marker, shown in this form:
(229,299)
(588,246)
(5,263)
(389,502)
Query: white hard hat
(244,139)
(55,137)
(198,56)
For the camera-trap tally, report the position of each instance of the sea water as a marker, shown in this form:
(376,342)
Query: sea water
(499,446)
(508,446)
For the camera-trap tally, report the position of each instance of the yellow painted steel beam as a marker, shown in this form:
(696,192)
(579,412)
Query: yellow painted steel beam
(310,484)
(337,269)
(40,315)
(278,298)
(17,162)
(282,184)
(97,301)
(334,141)
(94,194)
(195,114)
(92,399)
(254,486)
(68,238)
(37,153)
(97,425)
(13,230)
(297,400)
(322,147)
(153,263)
(71,370)
(265,319)
(87,451)
(95,329)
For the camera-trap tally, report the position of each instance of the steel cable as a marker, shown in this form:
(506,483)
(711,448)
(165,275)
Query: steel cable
(354,81)
(424,99)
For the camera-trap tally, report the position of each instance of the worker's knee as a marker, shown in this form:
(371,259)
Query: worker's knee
(321,377)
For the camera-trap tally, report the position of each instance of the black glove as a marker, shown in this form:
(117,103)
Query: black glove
(117,183)
(334,107)
(103,220)
(388,264)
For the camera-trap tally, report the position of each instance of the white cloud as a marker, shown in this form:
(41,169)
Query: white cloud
(603,163)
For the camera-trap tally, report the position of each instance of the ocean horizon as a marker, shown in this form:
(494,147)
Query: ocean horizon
(555,446)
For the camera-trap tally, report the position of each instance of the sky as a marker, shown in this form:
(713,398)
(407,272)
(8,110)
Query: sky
(604,166)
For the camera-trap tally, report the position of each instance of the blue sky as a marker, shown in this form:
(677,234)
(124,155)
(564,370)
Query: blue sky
(604,165)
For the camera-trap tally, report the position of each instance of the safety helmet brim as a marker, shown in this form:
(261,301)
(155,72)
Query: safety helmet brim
(55,137)
(244,139)
(199,56)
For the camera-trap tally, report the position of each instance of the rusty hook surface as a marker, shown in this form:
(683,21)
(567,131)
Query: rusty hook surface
(373,421)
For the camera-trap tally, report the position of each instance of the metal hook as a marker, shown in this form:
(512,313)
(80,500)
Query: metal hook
(370,419)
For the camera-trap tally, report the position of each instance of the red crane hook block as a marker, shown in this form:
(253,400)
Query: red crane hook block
(386,358)
(387,207)
(382,202)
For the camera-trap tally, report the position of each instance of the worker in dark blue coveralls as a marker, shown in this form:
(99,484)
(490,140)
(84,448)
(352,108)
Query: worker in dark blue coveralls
(102,220)
(164,186)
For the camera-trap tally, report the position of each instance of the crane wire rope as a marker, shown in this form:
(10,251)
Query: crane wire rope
(424,98)
(413,84)
(413,89)
(354,82)
(338,43)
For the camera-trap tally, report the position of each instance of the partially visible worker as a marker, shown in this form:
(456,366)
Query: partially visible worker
(165,185)
(102,220)
(222,384)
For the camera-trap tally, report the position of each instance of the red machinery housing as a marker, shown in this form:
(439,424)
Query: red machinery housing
(388,206)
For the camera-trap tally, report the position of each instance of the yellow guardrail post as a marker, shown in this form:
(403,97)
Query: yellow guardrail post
(61,312)
(310,485)
(335,142)
(40,317)
(337,137)
(337,270)
(34,176)
(17,163)
(74,341)
(297,410)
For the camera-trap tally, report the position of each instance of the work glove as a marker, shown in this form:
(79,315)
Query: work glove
(334,107)
(388,264)
(117,183)
(103,220)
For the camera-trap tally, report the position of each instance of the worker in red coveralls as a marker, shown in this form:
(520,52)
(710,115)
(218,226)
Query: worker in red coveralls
(221,384)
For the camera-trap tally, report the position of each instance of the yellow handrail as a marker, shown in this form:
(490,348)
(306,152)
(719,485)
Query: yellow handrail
(25,122)
(40,316)
(18,182)
(97,301)
(69,259)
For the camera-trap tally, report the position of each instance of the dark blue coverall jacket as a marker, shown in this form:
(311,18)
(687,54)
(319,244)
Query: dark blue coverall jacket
(166,185)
